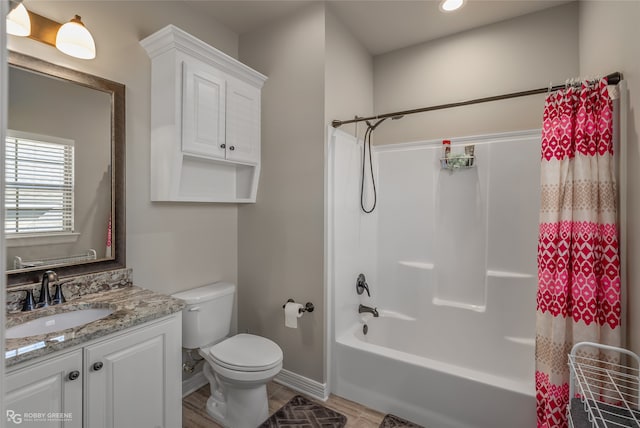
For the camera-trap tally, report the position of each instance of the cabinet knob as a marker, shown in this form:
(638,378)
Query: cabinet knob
(222,146)
(74,375)
(232,148)
(97,366)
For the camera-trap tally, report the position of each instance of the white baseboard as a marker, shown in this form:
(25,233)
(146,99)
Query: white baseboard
(303,384)
(194,383)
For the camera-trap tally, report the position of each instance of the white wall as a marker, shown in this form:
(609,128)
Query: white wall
(348,75)
(515,55)
(170,246)
(316,69)
(609,37)
(281,236)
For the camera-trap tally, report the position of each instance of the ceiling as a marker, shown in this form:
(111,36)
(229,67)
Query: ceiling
(380,25)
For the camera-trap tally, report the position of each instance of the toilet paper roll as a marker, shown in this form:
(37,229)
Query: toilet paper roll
(291,314)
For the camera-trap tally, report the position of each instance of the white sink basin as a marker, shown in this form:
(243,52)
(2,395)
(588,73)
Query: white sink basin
(57,322)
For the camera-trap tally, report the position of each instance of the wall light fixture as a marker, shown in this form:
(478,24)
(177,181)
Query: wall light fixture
(18,22)
(72,38)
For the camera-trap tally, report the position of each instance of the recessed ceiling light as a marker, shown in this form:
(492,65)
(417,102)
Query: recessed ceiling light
(451,5)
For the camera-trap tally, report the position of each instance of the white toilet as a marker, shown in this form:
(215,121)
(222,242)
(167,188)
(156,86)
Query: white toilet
(238,368)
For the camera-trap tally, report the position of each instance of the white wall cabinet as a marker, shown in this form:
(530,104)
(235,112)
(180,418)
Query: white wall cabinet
(37,392)
(205,121)
(129,379)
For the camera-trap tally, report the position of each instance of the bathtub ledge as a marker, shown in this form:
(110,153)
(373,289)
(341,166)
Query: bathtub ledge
(416,265)
(460,305)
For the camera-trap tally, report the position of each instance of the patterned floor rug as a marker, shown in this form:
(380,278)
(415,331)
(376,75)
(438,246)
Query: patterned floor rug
(393,421)
(301,412)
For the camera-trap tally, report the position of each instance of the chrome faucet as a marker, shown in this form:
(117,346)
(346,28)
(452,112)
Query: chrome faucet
(45,298)
(366,309)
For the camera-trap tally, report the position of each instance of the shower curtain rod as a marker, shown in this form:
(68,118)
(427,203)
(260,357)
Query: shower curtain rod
(613,79)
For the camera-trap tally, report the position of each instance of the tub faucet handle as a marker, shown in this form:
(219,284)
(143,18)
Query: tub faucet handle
(361,285)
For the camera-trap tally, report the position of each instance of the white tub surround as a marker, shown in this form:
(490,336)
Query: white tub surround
(450,260)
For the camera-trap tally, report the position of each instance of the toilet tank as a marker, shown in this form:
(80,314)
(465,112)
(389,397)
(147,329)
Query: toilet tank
(207,317)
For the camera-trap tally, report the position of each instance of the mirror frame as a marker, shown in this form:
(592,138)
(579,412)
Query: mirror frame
(118,130)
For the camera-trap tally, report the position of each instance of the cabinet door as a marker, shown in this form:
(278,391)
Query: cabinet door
(203,112)
(243,122)
(44,395)
(134,380)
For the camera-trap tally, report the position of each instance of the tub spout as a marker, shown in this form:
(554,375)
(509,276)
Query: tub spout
(366,309)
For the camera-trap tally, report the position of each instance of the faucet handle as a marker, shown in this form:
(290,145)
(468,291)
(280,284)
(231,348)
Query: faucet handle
(361,285)
(58,297)
(29,303)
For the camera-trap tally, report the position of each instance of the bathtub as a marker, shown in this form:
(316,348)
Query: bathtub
(395,369)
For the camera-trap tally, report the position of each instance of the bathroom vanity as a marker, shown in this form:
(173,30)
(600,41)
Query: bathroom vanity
(122,370)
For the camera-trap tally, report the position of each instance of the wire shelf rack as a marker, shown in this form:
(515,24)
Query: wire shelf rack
(457,161)
(603,394)
(453,158)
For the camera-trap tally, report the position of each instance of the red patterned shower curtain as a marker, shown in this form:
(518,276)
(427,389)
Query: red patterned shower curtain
(578,295)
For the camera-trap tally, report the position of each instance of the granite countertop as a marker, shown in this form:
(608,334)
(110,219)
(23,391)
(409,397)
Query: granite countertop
(132,306)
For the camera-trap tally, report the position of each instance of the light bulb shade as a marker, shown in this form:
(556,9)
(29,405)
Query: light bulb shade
(74,39)
(18,22)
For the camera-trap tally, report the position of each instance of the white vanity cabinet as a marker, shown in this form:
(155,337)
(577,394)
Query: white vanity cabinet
(205,121)
(128,379)
(133,380)
(47,394)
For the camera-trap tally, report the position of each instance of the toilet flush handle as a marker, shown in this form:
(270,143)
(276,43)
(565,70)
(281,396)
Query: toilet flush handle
(194,309)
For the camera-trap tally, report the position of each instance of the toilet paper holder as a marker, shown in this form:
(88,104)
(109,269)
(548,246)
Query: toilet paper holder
(308,307)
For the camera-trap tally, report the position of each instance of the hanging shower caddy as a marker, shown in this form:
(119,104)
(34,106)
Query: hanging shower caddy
(451,161)
(602,394)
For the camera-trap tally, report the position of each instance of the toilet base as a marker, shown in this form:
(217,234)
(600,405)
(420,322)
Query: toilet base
(234,405)
(244,408)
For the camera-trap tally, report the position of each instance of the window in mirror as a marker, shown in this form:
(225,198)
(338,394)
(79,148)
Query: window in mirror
(39,177)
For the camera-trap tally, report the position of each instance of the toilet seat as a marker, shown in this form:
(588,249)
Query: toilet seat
(246,353)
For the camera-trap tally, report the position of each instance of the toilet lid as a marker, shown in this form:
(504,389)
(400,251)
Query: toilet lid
(246,352)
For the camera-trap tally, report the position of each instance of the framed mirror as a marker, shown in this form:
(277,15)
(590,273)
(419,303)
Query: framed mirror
(64,171)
